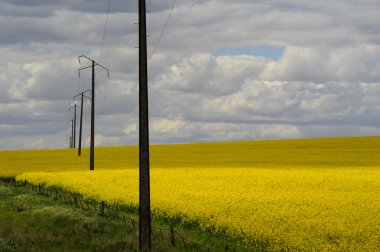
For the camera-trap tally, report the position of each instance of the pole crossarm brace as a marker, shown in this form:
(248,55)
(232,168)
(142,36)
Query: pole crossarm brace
(95,63)
(87,97)
(75,96)
(88,90)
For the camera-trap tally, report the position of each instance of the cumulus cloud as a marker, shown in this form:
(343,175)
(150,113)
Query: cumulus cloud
(323,65)
(167,130)
(204,73)
(326,81)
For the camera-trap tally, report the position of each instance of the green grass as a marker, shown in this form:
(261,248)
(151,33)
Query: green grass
(30,221)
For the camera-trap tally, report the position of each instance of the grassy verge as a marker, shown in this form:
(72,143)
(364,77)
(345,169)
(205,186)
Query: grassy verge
(30,221)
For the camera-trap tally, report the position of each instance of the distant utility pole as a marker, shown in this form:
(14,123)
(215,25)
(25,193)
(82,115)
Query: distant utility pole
(69,138)
(75,122)
(92,145)
(81,119)
(144,185)
(72,132)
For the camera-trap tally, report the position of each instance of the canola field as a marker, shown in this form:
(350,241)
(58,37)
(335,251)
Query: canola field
(276,209)
(283,195)
(316,153)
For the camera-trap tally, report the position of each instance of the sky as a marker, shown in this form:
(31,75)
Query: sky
(220,71)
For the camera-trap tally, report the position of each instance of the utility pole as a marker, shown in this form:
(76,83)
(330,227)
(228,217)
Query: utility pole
(72,131)
(92,144)
(75,123)
(68,137)
(81,119)
(144,177)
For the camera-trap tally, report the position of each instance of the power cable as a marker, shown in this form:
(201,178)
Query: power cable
(123,46)
(147,6)
(105,30)
(163,30)
(133,32)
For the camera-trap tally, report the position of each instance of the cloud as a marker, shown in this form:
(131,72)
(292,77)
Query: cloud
(322,64)
(207,74)
(167,130)
(165,126)
(131,128)
(198,96)
(326,81)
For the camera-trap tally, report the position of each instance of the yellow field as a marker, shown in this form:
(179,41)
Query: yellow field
(296,209)
(319,152)
(304,195)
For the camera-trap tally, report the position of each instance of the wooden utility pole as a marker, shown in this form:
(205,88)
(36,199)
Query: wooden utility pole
(92,140)
(72,131)
(81,120)
(75,124)
(144,185)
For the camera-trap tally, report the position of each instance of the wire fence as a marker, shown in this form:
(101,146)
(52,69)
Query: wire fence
(168,236)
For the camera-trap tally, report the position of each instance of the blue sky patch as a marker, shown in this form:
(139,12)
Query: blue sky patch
(271,52)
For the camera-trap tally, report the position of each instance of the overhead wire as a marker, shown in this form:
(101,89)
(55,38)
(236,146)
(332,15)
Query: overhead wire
(148,3)
(105,30)
(119,51)
(132,33)
(163,30)
(125,44)
(101,48)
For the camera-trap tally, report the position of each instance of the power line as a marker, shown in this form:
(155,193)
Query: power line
(163,30)
(123,46)
(148,4)
(105,29)
(113,59)
(133,32)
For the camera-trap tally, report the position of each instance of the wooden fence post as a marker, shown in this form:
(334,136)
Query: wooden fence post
(101,208)
(134,225)
(172,239)
(195,246)
(184,244)
(226,248)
